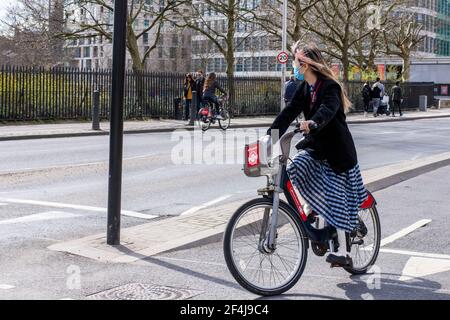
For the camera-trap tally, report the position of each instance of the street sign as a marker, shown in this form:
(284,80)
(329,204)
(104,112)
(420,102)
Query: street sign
(283,57)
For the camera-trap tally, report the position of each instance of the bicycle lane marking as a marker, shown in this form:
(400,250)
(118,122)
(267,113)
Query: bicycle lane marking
(76,207)
(404,232)
(205,205)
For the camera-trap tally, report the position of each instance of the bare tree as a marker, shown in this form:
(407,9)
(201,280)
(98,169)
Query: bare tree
(33,26)
(269,17)
(336,24)
(86,22)
(235,15)
(401,37)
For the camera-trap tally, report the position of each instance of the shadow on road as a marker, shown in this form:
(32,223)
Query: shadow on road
(388,287)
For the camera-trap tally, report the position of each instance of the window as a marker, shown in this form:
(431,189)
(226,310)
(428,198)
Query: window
(173,53)
(247,64)
(175,40)
(145,38)
(263,64)
(95,52)
(146,23)
(255,64)
(86,52)
(239,65)
(160,52)
(217,64)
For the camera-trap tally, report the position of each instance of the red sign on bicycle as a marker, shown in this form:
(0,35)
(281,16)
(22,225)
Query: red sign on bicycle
(283,57)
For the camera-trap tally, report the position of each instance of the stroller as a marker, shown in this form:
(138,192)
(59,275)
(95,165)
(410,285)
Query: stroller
(384,106)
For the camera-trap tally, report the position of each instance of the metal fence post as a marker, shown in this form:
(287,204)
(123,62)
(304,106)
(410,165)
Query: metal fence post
(95,110)
(193,109)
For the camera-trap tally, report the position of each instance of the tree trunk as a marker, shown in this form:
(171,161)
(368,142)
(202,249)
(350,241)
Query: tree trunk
(139,106)
(229,55)
(406,67)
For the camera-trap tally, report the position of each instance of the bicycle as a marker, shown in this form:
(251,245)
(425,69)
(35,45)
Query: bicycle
(208,116)
(266,240)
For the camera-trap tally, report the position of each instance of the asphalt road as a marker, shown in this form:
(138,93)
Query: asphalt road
(73,171)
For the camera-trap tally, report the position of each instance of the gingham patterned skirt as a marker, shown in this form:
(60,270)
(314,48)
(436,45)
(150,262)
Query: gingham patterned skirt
(336,197)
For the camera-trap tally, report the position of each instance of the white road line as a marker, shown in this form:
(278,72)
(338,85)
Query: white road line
(76,207)
(321,276)
(417,156)
(205,205)
(404,232)
(416,254)
(3,204)
(50,215)
(74,165)
(6,287)
(418,267)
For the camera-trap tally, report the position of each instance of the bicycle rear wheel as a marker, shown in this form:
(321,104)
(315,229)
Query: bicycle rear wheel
(366,241)
(254,266)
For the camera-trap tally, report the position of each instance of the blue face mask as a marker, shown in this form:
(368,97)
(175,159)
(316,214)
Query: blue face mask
(298,75)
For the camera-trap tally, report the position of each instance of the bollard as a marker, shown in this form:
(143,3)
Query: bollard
(193,109)
(95,110)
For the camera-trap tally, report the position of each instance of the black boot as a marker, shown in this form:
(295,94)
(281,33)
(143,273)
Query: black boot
(339,261)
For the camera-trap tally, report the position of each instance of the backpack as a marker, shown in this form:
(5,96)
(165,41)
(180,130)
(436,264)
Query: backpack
(376,92)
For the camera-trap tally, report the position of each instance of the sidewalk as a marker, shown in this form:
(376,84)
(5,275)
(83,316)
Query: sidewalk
(76,129)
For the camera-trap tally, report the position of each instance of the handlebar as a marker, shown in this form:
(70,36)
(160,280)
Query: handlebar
(312,126)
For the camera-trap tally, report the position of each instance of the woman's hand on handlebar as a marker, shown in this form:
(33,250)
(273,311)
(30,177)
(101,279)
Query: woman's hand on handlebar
(307,125)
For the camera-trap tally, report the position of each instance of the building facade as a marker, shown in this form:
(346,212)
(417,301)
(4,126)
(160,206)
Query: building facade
(172,52)
(255,50)
(257,54)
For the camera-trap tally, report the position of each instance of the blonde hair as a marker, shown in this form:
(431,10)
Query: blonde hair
(313,57)
(209,80)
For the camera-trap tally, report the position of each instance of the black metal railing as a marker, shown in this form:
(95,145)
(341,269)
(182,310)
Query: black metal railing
(28,93)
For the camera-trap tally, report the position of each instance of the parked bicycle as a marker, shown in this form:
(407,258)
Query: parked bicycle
(207,114)
(266,240)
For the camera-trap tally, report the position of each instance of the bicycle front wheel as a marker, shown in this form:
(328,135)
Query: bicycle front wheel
(255,267)
(224,123)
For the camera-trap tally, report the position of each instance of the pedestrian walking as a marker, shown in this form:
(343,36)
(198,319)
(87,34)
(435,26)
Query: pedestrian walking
(377,94)
(188,88)
(289,88)
(396,99)
(367,97)
(199,83)
(326,172)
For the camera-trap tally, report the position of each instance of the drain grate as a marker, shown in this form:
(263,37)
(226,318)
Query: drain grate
(140,291)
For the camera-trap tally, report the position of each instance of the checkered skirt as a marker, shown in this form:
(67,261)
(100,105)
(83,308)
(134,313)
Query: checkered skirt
(336,197)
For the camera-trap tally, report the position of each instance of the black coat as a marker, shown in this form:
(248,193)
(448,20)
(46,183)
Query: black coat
(332,140)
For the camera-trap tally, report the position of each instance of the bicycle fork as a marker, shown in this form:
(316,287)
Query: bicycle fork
(272,232)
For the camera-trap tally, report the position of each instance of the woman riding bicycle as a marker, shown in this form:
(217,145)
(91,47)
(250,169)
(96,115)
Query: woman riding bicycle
(326,173)
(209,92)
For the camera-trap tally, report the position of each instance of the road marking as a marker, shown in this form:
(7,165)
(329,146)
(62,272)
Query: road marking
(416,254)
(321,276)
(3,204)
(205,205)
(417,267)
(74,165)
(417,156)
(77,207)
(50,215)
(404,232)
(6,287)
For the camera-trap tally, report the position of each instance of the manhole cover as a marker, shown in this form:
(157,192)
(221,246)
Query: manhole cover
(139,291)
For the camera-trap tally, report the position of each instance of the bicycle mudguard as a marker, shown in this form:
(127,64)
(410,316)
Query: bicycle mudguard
(369,203)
